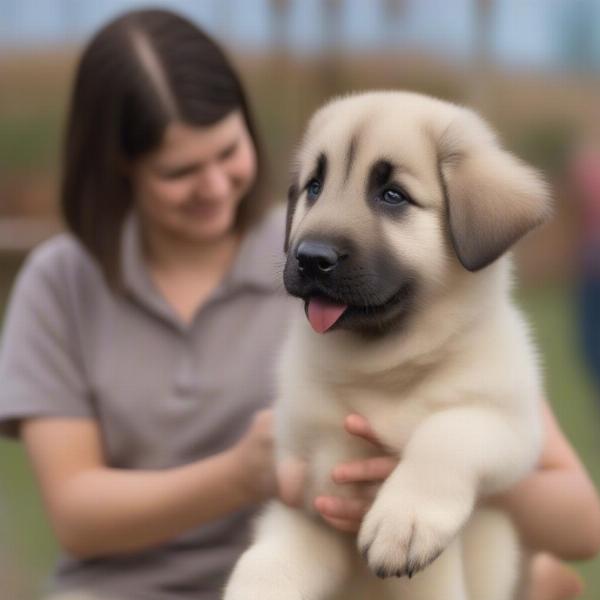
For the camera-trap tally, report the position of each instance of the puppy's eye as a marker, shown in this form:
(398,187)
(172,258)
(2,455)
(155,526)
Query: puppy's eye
(394,197)
(313,189)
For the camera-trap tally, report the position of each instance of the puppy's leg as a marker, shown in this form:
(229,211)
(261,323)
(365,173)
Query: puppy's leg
(451,457)
(492,556)
(442,580)
(292,558)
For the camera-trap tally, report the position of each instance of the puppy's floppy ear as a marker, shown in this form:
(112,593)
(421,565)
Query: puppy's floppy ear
(492,198)
(292,200)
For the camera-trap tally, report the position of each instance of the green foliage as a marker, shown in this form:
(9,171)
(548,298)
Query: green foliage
(545,144)
(30,140)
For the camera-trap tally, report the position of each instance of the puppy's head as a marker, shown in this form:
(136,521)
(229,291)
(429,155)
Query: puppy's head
(392,193)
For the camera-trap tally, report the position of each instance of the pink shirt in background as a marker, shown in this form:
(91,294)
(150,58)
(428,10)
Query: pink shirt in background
(585,181)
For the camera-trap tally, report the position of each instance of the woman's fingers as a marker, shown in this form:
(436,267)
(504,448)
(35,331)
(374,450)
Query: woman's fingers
(346,514)
(343,524)
(291,479)
(342,509)
(368,469)
(359,426)
(551,579)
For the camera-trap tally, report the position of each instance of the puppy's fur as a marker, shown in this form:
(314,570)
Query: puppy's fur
(417,203)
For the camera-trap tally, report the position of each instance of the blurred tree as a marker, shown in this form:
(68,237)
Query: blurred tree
(579,34)
(481,63)
(9,9)
(392,13)
(70,18)
(281,101)
(279,18)
(330,81)
(223,19)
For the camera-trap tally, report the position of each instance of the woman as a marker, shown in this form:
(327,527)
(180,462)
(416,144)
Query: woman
(138,348)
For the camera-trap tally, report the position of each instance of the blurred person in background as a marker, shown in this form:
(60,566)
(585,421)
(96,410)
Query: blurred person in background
(584,188)
(138,348)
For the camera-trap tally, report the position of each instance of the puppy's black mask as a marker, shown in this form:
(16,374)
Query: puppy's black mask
(376,289)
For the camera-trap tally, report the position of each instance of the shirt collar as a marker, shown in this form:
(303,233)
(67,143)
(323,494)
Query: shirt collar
(134,272)
(257,266)
(259,261)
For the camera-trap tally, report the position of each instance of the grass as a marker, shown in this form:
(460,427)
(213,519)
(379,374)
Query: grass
(25,531)
(577,406)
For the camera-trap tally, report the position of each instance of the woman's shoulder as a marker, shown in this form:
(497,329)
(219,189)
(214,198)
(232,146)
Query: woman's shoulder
(57,249)
(58,260)
(271,228)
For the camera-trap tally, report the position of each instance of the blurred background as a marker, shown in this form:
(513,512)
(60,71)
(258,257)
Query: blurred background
(532,68)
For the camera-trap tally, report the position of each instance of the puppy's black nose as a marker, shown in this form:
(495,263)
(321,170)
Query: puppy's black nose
(316,258)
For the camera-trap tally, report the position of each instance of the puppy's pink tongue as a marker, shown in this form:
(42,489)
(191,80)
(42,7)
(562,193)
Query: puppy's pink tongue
(322,314)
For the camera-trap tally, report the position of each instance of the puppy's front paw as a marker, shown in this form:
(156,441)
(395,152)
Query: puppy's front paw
(404,531)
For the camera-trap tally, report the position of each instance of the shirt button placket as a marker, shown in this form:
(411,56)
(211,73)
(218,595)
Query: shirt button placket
(185,377)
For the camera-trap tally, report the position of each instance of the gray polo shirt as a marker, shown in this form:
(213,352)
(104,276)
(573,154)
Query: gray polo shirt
(165,393)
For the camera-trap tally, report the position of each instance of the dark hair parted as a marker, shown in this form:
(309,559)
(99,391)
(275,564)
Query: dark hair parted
(139,73)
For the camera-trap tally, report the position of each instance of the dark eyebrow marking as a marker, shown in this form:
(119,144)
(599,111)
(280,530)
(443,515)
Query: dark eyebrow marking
(292,201)
(380,173)
(321,171)
(350,155)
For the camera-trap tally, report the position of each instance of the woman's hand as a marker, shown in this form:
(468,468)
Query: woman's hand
(346,514)
(556,507)
(254,456)
(551,579)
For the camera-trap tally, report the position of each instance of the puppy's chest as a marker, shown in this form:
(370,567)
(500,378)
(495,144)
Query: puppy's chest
(393,417)
(320,420)
(323,443)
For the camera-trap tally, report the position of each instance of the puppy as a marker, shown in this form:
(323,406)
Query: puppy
(401,213)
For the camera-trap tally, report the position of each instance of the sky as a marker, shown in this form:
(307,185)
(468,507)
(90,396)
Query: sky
(543,34)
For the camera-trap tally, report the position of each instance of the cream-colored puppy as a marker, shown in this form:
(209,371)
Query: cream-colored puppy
(398,223)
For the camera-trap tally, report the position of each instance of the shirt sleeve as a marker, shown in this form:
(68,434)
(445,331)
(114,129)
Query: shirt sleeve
(40,374)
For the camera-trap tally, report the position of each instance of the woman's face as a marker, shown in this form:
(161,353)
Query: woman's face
(191,186)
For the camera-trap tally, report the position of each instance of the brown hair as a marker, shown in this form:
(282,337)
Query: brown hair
(140,72)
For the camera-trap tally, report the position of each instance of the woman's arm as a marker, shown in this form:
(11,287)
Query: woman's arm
(556,508)
(96,510)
